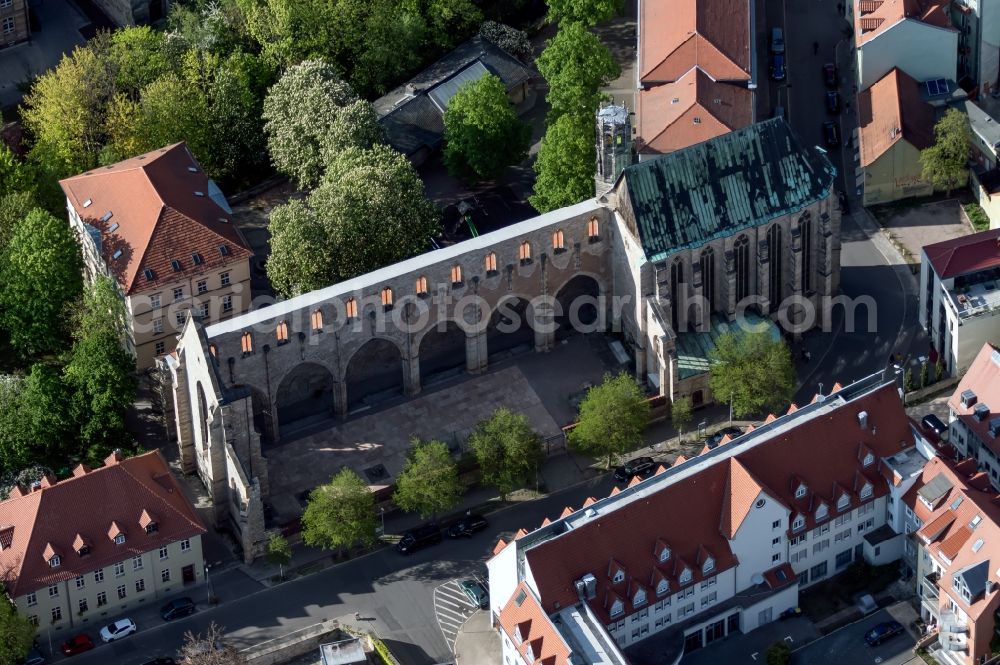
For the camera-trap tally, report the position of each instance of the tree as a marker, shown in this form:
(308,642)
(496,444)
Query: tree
(779,653)
(35,425)
(279,553)
(587,12)
(613,418)
(368,212)
(565,164)
(210,649)
(14,176)
(16,633)
(507,449)
(753,369)
(925,375)
(939,369)
(576,65)
(908,385)
(944,163)
(340,513)
(100,372)
(309,111)
(482,132)
(14,207)
(680,414)
(39,278)
(514,41)
(429,483)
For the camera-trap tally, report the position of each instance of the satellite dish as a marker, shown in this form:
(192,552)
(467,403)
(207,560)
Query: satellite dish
(757,578)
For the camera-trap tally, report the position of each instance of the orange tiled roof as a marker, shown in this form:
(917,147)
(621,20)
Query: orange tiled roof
(892,110)
(524,622)
(983,379)
(711,34)
(873,17)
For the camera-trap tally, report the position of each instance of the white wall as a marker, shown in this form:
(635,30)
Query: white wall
(921,50)
(777,603)
(502,570)
(817,552)
(753,544)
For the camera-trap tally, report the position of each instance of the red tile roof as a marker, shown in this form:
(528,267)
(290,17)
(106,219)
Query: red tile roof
(742,489)
(524,622)
(875,17)
(965,254)
(81,510)
(982,378)
(157,217)
(711,34)
(892,110)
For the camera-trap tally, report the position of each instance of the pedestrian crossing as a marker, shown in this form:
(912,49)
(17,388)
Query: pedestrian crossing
(452,609)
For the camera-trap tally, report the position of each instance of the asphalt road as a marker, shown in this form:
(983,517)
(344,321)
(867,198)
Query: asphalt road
(847,645)
(393,594)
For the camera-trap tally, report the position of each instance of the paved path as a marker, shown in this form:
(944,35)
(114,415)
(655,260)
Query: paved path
(452,609)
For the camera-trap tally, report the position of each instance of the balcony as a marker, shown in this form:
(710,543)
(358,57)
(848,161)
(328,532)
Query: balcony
(976,299)
(929,587)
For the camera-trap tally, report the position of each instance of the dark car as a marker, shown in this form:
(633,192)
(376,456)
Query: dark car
(77,644)
(177,608)
(831,134)
(934,424)
(832,102)
(882,632)
(161,661)
(845,205)
(717,438)
(477,593)
(778,66)
(467,526)
(830,75)
(640,466)
(419,538)
(34,657)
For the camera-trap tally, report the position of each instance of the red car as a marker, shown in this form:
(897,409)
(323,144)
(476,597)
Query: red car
(77,644)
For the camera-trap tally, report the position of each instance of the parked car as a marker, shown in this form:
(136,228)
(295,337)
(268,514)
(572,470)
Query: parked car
(419,538)
(467,526)
(882,632)
(177,608)
(34,657)
(845,204)
(640,466)
(477,593)
(716,438)
(830,75)
(77,644)
(832,102)
(161,661)
(778,67)
(777,41)
(831,134)
(117,630)
(934,424)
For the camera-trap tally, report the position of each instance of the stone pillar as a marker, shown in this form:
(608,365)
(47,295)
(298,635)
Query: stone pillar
(543,322)
(764,276)
(182,415)
(476,352)
(252,531)
(411,373)
(729,279)
(214,470)
(340,402)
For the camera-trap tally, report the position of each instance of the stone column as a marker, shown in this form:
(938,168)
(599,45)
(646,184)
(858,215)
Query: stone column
(182,414)
(476,352)
(543,322)
(340,402)
(764,276)
(411,373)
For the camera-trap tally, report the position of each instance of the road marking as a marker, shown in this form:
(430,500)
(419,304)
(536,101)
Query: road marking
(452,608)
(754,655)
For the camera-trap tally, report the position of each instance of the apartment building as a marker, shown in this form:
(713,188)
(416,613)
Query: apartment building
(973,413)
(782,507)
(978,25)
(85,550)
(164,232)
(14,24)
(959,296)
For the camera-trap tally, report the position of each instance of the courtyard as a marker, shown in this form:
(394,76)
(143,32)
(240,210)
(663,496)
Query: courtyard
(912,226)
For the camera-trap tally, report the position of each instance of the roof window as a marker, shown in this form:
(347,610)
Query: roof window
(994,427)
(113,228)
(148,274)
(196,259)
(975,521)
(88,203)
(223,250)
(106,216)
(199,193)
(117,254)
(968,398)
(980,412)
(192,169)
(176,265)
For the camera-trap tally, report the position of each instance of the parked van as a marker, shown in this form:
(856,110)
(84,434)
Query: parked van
(777,41)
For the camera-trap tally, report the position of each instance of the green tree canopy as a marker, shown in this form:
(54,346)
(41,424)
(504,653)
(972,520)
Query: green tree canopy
(368,212)
(429,484)
(752,369)
(340,513)
(507,449)
(576,65)
(680,413)
(944,164)
(16,633)
(40,275)
(279,552)
(482,132)
(311,113)
(587,12)
(565,164)
(613,418)
(14,207)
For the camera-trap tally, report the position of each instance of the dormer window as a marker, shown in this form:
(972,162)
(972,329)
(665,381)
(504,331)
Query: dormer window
(84,550)
(120,539)
(822,512)
(662,588)
(617,608)
(55,561)
(685,576)
(869,460)
(800,492)
(843,502)
(798,523)
(866,491)
(664,554)
(708,566)
(619,576)
(639,598)
(152,527)
(529,653)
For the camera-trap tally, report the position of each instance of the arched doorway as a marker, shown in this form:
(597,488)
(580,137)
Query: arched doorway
(306,391)
(442,352)
(578,307)
(374,373)
(202,415)
(262,420)
(510,330)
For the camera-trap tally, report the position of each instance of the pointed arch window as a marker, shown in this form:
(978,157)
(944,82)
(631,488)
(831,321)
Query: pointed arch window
(707,261)
(806,229)
(491,264)
(593,230)
(246,343)
(558,242)
(456,275)
(387,298)
(524,253)
(281,331)
(316,319)
(351,308)
(775,258)
(421,286)
(741,256)
(676,283)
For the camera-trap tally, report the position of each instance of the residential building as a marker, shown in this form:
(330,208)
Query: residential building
(957,514)
(895,125)
(15,26)
(79,552)
(974,413)
(695,72)
(985,140)
(164,232)
(914,35)
(978,25)
(784,506)
(959,296)
(412,114)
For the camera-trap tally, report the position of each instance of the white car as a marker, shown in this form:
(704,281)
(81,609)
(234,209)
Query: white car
(117,630)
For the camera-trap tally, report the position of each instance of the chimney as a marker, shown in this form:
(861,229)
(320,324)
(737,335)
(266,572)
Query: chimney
(589,585)
(863,419)
(115,457)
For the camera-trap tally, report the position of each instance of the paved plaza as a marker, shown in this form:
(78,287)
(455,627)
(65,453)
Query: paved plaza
(916,226)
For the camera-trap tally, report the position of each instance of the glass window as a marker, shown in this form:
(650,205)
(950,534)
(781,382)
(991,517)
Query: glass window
(165,575)
(179,293)
(140,586)
(56,614)
(491,263)
(185,545)
(154,301)
(102,598)
(98,576)
(31,599)
(224,278)
(202,285)
(53,591)
(121,591)
(227,303)
(163,552)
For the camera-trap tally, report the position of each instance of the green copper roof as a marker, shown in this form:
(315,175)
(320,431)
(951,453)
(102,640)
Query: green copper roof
(693,347)
(714,189)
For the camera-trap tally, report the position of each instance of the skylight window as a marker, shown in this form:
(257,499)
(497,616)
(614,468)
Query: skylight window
(176,265)
(223,250)
(978,545)
(957,502)
(148,274)
(975,521)
(106,216)
(113,228)
(199,193)
(117,254)
(196,258)
(192,169)
(87,203)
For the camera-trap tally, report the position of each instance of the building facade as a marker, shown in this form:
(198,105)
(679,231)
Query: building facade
(778,509)
(15,26)
(163,231)
(959,297)
(81,552)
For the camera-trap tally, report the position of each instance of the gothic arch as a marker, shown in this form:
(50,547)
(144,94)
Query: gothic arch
(579,305)
(441,349)
(707,262)
(741,259)
(776,258)
(374,372)
(306,390)
(510,327)
(202,415)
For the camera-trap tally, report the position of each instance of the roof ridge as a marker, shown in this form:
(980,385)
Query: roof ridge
(176,487)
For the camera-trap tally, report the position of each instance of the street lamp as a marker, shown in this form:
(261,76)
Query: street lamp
(208,581)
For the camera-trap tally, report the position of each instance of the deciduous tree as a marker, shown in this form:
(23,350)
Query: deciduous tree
(279,553)
(613,418)
(340,513)
(39,278)
(576,65)
(754,370)
(16,633)
(587,12)
(944,164)
(13,208)
(565,164)
(507,449)
(209,648)
(429,483)
(482,132)
(680,414)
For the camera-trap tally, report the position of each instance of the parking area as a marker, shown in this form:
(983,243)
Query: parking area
(452,609)
(915,225)
(752,647)
(848,645)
